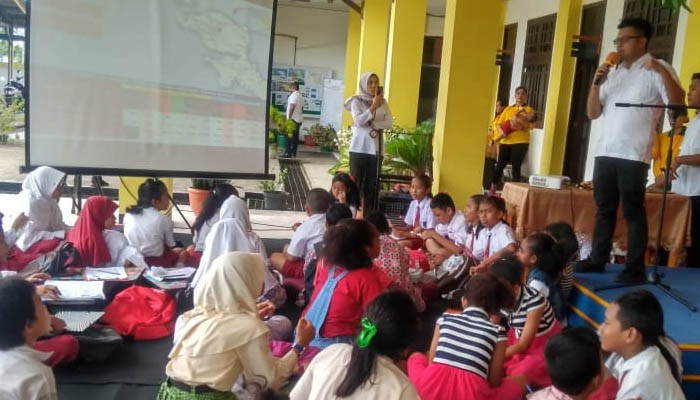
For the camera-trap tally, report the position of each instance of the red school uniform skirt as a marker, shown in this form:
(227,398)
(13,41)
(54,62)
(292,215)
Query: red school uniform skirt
(168,259)
(531,363)
(438,382)
(18,259)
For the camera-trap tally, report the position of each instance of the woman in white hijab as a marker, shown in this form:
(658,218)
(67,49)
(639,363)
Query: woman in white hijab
(223,336)
(38,201)
(370,115)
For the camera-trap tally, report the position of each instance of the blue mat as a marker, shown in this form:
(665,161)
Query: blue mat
(587,307)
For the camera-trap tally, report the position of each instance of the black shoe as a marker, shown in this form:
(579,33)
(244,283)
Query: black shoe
(588,266)
(631,276)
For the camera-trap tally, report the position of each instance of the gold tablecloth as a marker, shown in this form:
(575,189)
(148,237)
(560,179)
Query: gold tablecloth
(530,209)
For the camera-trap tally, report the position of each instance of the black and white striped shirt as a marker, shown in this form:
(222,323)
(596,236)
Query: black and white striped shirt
(467,340)
(529,300)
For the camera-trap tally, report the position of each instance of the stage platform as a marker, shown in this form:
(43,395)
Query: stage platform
(587,307)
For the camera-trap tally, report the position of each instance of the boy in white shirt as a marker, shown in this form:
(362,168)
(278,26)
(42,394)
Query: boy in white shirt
(643,367)
(292,260)
(23,319)
(441,241)
(686,170)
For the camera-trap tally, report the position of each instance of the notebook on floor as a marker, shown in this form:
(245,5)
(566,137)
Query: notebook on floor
(79,321)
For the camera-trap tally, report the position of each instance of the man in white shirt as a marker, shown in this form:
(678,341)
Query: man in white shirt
(624,150)
(295,107)
(686,170)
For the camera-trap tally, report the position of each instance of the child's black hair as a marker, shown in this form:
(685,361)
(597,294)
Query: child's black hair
(488,293)
(337,212)
(318,200)
(149,191)
(345,244)
(573,359)
(395,316)
(509,269)
(497,202)
(379,221)
(16,311)
(477,199)
(442,201)
(564,234)
(641,310)
(550,256)
(425,181)
(213,203)
(352,195)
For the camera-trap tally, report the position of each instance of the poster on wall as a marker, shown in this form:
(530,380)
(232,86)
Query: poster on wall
(310,80)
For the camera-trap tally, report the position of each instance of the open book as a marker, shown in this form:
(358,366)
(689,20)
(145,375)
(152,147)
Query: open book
(77,291)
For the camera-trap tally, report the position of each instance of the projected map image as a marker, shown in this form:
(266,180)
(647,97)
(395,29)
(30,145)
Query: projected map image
(166,85)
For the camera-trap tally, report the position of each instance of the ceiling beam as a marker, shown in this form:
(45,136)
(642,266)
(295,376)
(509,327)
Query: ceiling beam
(350,3)
(22,5)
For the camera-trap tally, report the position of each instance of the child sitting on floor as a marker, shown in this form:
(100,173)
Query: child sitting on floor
(450,225)
(345,191)
(467,352)
(465,241)
(531,323)
(291,262)
(149,231)
(576,367)
(497,239)
(367,369)
(565,236)
(23,319)
(393,259)
(206,219)
(632,331)
(97,243)
(542,258)
(419,216)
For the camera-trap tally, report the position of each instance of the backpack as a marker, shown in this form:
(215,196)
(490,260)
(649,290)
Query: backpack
(56,262)
(142,312)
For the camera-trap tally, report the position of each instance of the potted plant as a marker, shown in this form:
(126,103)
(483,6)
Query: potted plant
(283,127)
(273,191)
(324,136)
(9,116)
(199,191)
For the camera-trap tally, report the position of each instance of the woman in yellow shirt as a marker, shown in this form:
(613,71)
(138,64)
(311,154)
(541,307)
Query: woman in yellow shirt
(514,126)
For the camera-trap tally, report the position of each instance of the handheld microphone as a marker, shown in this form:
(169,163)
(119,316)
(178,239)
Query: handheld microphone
(611,60)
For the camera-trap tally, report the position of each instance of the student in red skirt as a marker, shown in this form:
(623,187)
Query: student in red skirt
(466,356)
(419,215)
(149,231)
(206,219)
(531,323)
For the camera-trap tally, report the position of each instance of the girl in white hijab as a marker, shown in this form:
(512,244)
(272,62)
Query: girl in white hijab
(38,200)
(370,115)
(223,335)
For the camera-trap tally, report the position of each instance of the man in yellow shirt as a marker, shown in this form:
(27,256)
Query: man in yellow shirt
(659,149)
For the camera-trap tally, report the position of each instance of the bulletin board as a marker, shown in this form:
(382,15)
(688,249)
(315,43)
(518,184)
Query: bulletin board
(310,79)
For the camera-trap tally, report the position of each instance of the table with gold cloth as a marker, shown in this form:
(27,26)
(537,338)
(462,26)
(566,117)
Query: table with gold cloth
(531,209)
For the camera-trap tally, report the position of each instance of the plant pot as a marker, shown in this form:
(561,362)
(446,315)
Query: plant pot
(275,200)
(309,140)
(282,141)
(328,149)
(197,199)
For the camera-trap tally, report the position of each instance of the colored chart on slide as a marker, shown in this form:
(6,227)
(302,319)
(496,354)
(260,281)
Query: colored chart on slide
(175,85)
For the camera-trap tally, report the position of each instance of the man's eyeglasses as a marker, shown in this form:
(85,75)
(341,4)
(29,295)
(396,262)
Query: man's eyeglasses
(623,39)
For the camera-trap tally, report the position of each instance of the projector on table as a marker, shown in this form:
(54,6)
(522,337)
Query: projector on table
(549,181)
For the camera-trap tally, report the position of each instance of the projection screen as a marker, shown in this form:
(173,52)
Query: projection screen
(150,87)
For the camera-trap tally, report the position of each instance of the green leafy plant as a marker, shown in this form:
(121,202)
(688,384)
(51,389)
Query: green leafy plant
(409,150)
(279,124)
(323,135)
(275,185)
(9,116)
(207,184)
(676,5)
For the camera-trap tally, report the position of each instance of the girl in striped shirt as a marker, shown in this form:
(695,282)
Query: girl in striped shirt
(530,323)
(466,356)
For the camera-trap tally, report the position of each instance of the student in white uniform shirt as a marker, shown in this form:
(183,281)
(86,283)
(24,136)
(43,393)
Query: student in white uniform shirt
(419,215)
(295,107)
(206,219)
(450,226)
(370,115)
(149,231)
(292,261)
(643,367)
(23,320)
(497,239)
(624,149)
(686,170)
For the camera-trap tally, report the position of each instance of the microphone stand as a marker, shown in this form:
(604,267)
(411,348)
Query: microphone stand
(654,277)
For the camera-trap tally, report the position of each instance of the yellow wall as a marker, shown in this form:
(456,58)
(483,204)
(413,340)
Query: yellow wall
(352,57)
(690,63)
(374,30)
(129,190)
(473,32)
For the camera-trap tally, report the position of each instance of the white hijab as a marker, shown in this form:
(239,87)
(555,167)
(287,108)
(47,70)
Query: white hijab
(364,94)
(234,207)
(37,203)
(225,236)
(225,315)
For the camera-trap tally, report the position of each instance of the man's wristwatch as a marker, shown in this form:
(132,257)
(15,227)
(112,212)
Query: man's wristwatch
(298,348)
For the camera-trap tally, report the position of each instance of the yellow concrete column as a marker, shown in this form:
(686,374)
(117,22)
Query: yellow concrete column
(690,63)
(561,82)
(129,190)
(405,61)
(352,57)
(473,33)
(374,29)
